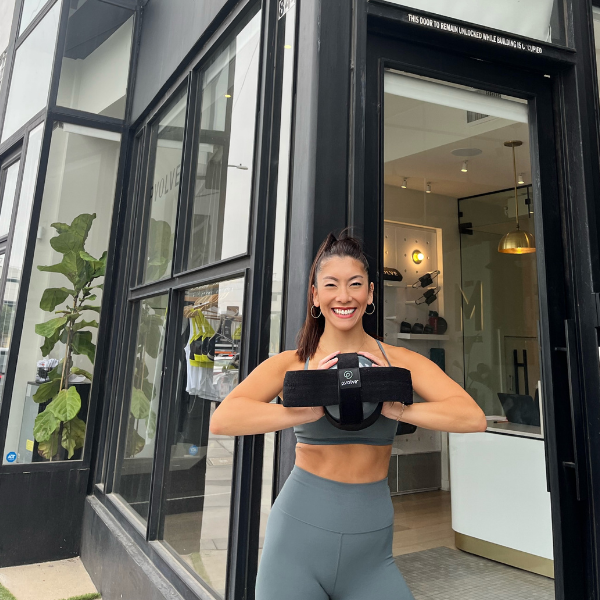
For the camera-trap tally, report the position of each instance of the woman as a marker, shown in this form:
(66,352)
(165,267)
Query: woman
(330,530)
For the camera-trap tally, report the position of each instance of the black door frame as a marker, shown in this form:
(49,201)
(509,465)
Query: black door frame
(566,476)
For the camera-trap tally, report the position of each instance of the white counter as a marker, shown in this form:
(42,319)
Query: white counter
(498,491)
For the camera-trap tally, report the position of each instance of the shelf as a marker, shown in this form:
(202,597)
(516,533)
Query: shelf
(390,283)
(422,336)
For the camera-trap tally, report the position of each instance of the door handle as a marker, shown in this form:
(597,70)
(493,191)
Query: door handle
(543,415)
(573,399)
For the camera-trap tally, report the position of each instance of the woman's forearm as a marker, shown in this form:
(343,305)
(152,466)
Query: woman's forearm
(454,414)
(244,416)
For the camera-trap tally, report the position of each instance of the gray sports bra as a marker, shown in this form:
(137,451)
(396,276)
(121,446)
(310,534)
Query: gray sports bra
(322,432)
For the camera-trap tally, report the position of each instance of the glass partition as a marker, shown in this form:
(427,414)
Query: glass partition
(30,80)
(95,63)
(55,365)
(196,512)
(542,20)
(8,187)
(225,152)
(455,199)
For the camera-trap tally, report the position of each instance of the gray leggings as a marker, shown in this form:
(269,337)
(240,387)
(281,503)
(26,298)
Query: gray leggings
(328,540)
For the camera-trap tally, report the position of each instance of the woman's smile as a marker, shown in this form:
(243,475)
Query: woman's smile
(344,313)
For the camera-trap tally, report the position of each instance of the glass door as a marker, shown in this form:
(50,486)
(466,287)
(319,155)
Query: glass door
(466,198)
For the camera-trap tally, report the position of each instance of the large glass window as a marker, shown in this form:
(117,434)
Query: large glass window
(8,187)
(539,19)
(55,366)
(225,151)
(167,146)
(135,472)
(95,63)
(198,484)
(30,80)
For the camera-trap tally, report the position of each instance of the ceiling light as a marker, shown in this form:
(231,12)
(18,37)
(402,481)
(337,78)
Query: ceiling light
(521,178)
(404,183)
(516,241)
(227,95)
(288,46)
(464,166)
(417,257)
(428,189)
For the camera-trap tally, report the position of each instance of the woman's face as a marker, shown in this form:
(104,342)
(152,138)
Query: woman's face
(342,291)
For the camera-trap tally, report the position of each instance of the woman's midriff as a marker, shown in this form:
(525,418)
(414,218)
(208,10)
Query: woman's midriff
(348,463)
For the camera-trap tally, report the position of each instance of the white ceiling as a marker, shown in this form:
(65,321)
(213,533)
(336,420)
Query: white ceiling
(419,138)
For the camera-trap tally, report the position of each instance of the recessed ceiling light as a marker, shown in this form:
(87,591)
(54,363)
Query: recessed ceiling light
(466,151)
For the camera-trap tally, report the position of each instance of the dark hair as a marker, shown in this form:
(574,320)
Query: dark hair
(345,245)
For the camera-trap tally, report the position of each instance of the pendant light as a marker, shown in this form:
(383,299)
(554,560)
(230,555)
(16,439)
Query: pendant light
(517,241)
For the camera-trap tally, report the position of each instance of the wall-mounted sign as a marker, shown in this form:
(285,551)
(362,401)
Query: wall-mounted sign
(474,33)
(11,457)
(284,6)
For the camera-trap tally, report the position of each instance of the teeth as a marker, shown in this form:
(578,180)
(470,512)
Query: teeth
(344,311)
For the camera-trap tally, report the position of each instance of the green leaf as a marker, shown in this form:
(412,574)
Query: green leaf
(56,373)
(68,267)
(135,442)
(159,249)
(49,328)
(72,238)
(66,405)
(50,342)
(78,371)
(92,297)
(82,344)
(82,324)
(85,273)
(148,389)
(46,391)
(52,297)
(140,405)
(73,435)
(45,425)
(90,307)
(48,448)
(87,257)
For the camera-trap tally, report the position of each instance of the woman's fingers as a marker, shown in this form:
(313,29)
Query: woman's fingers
(378,361)
(328,360)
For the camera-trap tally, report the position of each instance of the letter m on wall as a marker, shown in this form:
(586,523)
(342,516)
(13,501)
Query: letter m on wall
(472,306)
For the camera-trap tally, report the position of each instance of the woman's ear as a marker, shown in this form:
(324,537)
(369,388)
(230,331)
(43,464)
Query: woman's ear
(370,297)
(315,295)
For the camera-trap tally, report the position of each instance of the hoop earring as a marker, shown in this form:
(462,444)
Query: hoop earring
(370,313)
(311,312)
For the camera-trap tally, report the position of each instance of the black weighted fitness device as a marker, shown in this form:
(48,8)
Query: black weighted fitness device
(349,386)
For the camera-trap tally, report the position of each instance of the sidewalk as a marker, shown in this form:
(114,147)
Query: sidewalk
(58,580)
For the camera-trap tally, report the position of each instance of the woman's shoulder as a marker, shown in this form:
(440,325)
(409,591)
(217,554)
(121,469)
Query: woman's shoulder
(401,357)
(287,360)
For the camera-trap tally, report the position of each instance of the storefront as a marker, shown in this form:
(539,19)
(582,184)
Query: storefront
(165,179)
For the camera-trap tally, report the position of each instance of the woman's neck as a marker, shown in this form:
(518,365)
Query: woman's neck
(345,341)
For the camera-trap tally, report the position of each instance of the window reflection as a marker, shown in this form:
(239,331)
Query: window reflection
(198,488)
(30,10)
(135,473)
(163,194)
(95,64)
(31,72)
(223,186)
(8,197)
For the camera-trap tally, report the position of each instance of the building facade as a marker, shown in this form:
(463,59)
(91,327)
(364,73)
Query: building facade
(167,172)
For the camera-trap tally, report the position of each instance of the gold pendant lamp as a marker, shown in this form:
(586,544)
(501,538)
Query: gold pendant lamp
(516,241)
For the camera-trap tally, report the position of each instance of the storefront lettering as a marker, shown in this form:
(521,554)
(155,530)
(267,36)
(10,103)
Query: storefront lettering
(284,6)
(474,33)
(165,184)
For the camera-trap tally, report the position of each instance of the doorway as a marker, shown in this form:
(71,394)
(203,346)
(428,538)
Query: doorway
(464,191)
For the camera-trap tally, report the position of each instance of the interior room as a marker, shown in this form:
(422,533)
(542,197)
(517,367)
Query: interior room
(472,511)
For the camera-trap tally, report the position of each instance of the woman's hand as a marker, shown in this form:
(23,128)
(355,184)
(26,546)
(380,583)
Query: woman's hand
(391,410)
(377,362)
(314,413)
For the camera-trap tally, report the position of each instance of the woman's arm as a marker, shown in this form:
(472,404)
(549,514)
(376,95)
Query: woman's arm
(247,410)
(448,406)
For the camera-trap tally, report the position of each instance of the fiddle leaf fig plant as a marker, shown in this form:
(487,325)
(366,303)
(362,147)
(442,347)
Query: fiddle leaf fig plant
(59,424)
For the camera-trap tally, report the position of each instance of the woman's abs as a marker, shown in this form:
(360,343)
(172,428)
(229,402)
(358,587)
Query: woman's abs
(348,463)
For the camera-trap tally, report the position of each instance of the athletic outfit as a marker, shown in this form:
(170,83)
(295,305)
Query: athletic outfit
(329,540)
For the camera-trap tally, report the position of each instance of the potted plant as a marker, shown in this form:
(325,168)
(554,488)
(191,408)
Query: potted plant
(58,424)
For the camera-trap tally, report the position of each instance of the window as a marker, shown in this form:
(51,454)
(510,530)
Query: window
(31,72)
(95,63)
(225,150)
(167,142)
(52,382)
(29,12)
